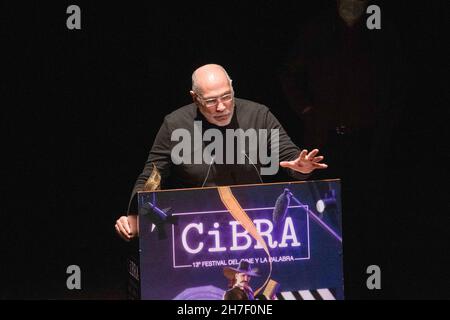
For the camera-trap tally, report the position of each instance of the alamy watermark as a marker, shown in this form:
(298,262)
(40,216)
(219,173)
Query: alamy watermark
(74,279)
(189,150)
(74,20)
(373,282)
(374,20)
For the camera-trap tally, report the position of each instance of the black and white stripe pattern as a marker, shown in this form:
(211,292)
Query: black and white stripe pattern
(318,294)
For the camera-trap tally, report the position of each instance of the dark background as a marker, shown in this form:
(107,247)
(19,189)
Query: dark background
(80,110)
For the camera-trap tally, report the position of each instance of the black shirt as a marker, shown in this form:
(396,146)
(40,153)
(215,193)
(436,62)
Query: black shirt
(247,115)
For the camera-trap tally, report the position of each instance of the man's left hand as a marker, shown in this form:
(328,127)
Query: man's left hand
(306,162)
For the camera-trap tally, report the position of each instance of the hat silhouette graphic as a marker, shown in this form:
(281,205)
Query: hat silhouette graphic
(243,267)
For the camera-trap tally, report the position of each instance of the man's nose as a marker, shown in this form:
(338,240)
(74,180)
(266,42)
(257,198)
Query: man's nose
(220,107)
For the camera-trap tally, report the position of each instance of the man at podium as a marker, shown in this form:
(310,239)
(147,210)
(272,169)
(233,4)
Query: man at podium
(217,140)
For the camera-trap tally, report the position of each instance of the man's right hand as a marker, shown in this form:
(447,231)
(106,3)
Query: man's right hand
(126,227)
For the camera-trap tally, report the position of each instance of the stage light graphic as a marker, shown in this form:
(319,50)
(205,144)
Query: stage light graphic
(329,201)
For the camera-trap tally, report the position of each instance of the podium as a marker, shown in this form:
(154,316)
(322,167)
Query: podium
(291,232)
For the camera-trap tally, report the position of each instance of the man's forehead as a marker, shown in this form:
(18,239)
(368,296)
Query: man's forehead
(215,91)
(212,81)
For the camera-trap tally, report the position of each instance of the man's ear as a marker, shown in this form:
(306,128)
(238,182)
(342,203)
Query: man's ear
(193,95)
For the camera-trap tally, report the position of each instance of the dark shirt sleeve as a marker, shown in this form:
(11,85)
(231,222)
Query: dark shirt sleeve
(160,156)
(287,149)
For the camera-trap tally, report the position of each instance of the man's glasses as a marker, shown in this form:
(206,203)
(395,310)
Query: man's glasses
(214,102)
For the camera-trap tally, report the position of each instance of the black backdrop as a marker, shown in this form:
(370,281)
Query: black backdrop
(80,110)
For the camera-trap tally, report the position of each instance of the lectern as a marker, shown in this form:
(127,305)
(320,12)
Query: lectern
(290,232)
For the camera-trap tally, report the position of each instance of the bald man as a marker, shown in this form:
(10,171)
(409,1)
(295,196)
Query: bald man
(216,110)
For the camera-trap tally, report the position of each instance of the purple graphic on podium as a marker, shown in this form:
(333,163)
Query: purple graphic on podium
(289,232)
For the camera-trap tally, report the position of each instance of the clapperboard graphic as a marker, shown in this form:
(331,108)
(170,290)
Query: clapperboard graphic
(290,232)
(319,294)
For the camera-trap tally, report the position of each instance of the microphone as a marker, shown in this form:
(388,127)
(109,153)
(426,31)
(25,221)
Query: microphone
(209,169)
(251,162)
(280,211)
